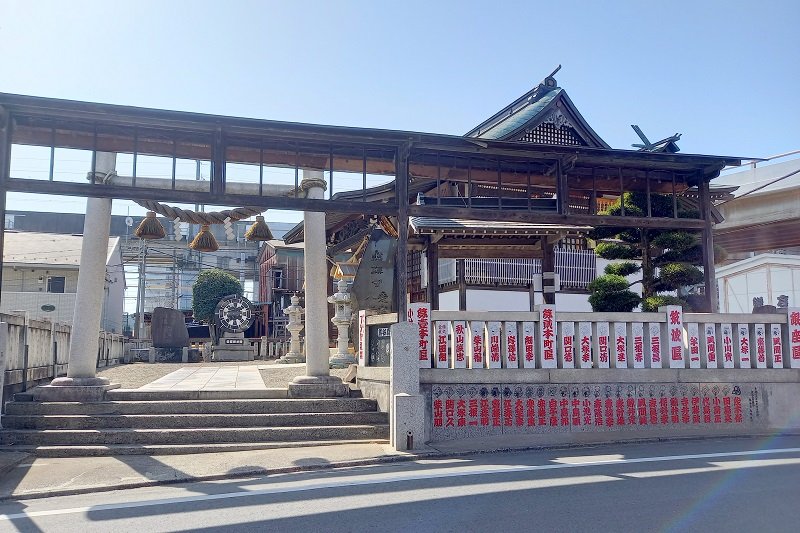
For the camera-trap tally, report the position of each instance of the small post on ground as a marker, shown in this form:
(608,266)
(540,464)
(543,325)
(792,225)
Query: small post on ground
(407,419)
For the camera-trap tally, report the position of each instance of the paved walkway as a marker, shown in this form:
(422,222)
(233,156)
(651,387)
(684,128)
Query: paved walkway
(210,378)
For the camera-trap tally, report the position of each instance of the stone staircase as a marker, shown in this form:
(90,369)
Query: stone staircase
(171,422)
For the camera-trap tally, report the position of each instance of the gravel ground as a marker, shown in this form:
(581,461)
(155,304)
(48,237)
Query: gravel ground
(135,375)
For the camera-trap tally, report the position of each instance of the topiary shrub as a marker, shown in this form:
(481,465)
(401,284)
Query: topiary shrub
(626,268)
(610,293)
(212,286)
(652,303)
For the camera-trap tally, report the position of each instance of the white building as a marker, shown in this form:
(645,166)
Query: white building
(40,277)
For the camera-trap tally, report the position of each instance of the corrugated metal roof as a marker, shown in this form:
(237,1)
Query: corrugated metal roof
(46,248)
(423,225)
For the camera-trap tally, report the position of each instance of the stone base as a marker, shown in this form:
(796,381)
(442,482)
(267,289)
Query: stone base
(339,360)
(291,358)
(318,387)
(66,389)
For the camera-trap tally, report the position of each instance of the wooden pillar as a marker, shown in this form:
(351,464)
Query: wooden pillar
(548,271)
(432,260)
(462,285)
(707,243)
(401,256)
(562,188)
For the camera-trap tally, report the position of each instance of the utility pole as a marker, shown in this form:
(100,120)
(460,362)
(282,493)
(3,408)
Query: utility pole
(140,293)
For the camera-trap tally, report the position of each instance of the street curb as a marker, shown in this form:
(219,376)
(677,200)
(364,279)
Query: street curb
(434,453)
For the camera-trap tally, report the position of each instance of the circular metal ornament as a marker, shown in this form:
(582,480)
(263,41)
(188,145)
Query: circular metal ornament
(234,314)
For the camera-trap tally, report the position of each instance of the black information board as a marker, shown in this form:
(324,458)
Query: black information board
(378,353)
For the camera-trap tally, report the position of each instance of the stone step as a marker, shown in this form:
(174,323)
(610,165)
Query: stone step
(173,449)
(177,421)
(179,395)
(237,406)
(127,436)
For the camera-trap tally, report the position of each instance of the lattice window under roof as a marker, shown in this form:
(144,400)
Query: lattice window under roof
(414,277)
(548,133)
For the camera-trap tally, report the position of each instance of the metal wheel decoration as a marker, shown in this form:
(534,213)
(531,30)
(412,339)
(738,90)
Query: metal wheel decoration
(234,314)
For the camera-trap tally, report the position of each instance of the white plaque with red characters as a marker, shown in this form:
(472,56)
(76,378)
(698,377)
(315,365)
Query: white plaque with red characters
(528,346)
(602,348)
(620,342)
(477,352)
(760,338)
(547,335)
(493,343)
(794,337)
(744,346)
(775,349)
(693,336)
(675,336)
(726,340)
(511,341)
(459,354)
(654,344)
(585,344)
(419,314)
(568,352)
(442,344)
(710,345)
(362,338)
(637,340)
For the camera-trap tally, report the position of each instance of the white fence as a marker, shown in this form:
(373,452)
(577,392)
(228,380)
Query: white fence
(550,339)
(575,268)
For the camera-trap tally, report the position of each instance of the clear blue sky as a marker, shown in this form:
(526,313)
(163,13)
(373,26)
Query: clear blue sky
(723,73)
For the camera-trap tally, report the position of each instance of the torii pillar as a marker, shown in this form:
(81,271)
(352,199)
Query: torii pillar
(81,382)
(317,383)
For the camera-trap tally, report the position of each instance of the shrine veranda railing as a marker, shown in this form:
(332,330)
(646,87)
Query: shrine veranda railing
(550,339)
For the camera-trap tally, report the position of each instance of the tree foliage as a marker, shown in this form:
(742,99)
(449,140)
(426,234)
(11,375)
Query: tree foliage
(211,287)
(668,257)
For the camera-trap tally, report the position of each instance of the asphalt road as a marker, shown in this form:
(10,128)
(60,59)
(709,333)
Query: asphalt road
(714,485)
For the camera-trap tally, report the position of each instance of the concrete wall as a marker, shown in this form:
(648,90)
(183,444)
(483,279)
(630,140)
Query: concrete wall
(374,384)
(542,407)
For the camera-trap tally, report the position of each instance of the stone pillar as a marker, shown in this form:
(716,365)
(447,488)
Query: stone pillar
(407,417)
(81,382)
(317,383)
(344,312)
(295,326)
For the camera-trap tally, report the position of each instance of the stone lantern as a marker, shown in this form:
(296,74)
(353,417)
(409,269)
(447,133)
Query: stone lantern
(295,326)
(341,319)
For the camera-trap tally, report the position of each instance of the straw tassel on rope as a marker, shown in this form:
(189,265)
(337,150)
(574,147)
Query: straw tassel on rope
(259,231)
(150,228)
(204,241)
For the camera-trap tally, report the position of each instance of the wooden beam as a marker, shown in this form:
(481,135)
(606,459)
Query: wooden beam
(136,193)
(505,252)
(462,285)
(455,242)
(432,260)
(514,215)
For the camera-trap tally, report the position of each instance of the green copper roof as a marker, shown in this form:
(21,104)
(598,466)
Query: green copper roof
(519,117)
